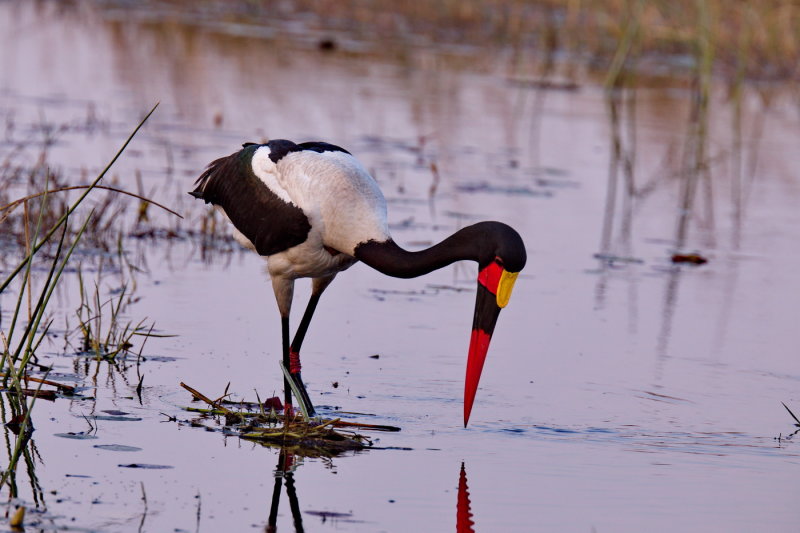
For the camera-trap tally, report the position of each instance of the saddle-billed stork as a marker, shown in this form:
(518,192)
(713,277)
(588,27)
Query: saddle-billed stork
(313,210)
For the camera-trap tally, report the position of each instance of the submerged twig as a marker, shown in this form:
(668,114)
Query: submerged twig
(66,388)
(200,396)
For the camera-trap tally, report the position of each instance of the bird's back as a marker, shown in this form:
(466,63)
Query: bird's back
(280,194)
(338,195)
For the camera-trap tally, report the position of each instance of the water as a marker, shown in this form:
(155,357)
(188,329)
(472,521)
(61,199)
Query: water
(626,395)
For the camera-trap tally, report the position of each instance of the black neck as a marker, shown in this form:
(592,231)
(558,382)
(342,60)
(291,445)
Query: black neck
(481,242)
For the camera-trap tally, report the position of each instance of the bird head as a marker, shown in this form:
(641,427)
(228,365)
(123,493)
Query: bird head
(500,264)
(500,254)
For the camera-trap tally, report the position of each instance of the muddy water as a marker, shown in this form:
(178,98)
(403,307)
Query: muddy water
(621,394)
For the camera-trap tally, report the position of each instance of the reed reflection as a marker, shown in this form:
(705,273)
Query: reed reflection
(18,432)
(706,163)
(616,248)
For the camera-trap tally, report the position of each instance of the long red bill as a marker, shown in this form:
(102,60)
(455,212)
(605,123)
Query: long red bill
(478,347)
(494,289)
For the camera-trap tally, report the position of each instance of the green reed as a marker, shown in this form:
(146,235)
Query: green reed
(26,331)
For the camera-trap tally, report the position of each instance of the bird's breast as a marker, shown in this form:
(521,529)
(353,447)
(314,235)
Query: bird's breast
(310,259)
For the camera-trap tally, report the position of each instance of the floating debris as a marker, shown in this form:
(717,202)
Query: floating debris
(544,84)
(262,423)
(692,259)
(115,412)
(310,437)
(111,418)
(78,436)
(48,395)
(611,259)
(557,183)
(117,448)
(271,403)
(438,287)
(333,516)
(511,190)
(18,518)
(63,388)
(145,466)
(328,44)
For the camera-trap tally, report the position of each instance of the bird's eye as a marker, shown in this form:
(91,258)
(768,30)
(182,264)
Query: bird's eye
(498,260)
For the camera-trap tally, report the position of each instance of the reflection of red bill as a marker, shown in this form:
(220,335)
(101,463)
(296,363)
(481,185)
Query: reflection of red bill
(464,522)
(494,290)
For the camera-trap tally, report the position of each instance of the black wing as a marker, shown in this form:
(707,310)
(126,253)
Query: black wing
(271,224)
(319,147)
(280,148)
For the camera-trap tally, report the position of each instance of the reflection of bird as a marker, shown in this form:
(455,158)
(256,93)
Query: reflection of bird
(313,211)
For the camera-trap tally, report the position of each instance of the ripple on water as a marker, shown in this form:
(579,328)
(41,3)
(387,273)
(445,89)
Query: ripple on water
(644,440)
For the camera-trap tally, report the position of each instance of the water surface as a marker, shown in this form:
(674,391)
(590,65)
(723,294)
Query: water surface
(620,394)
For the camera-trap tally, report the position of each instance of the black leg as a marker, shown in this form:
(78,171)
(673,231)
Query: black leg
(294,350)
(291,351)
(287,390)
(300,334)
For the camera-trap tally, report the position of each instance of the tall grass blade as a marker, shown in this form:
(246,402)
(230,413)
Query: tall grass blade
(296,392)
(791,413)
(52,286)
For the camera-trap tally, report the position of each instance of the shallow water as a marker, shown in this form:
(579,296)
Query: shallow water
(621,395)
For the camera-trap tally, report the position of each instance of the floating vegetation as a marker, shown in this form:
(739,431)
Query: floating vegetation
(309,438)
(316,437)
(115,339)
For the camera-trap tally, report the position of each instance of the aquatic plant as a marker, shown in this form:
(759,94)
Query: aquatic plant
(18,349)
(115,338)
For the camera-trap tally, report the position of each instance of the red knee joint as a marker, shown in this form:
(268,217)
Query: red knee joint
(294,362)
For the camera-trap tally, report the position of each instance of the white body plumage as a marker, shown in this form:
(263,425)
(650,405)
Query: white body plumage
(342,203)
